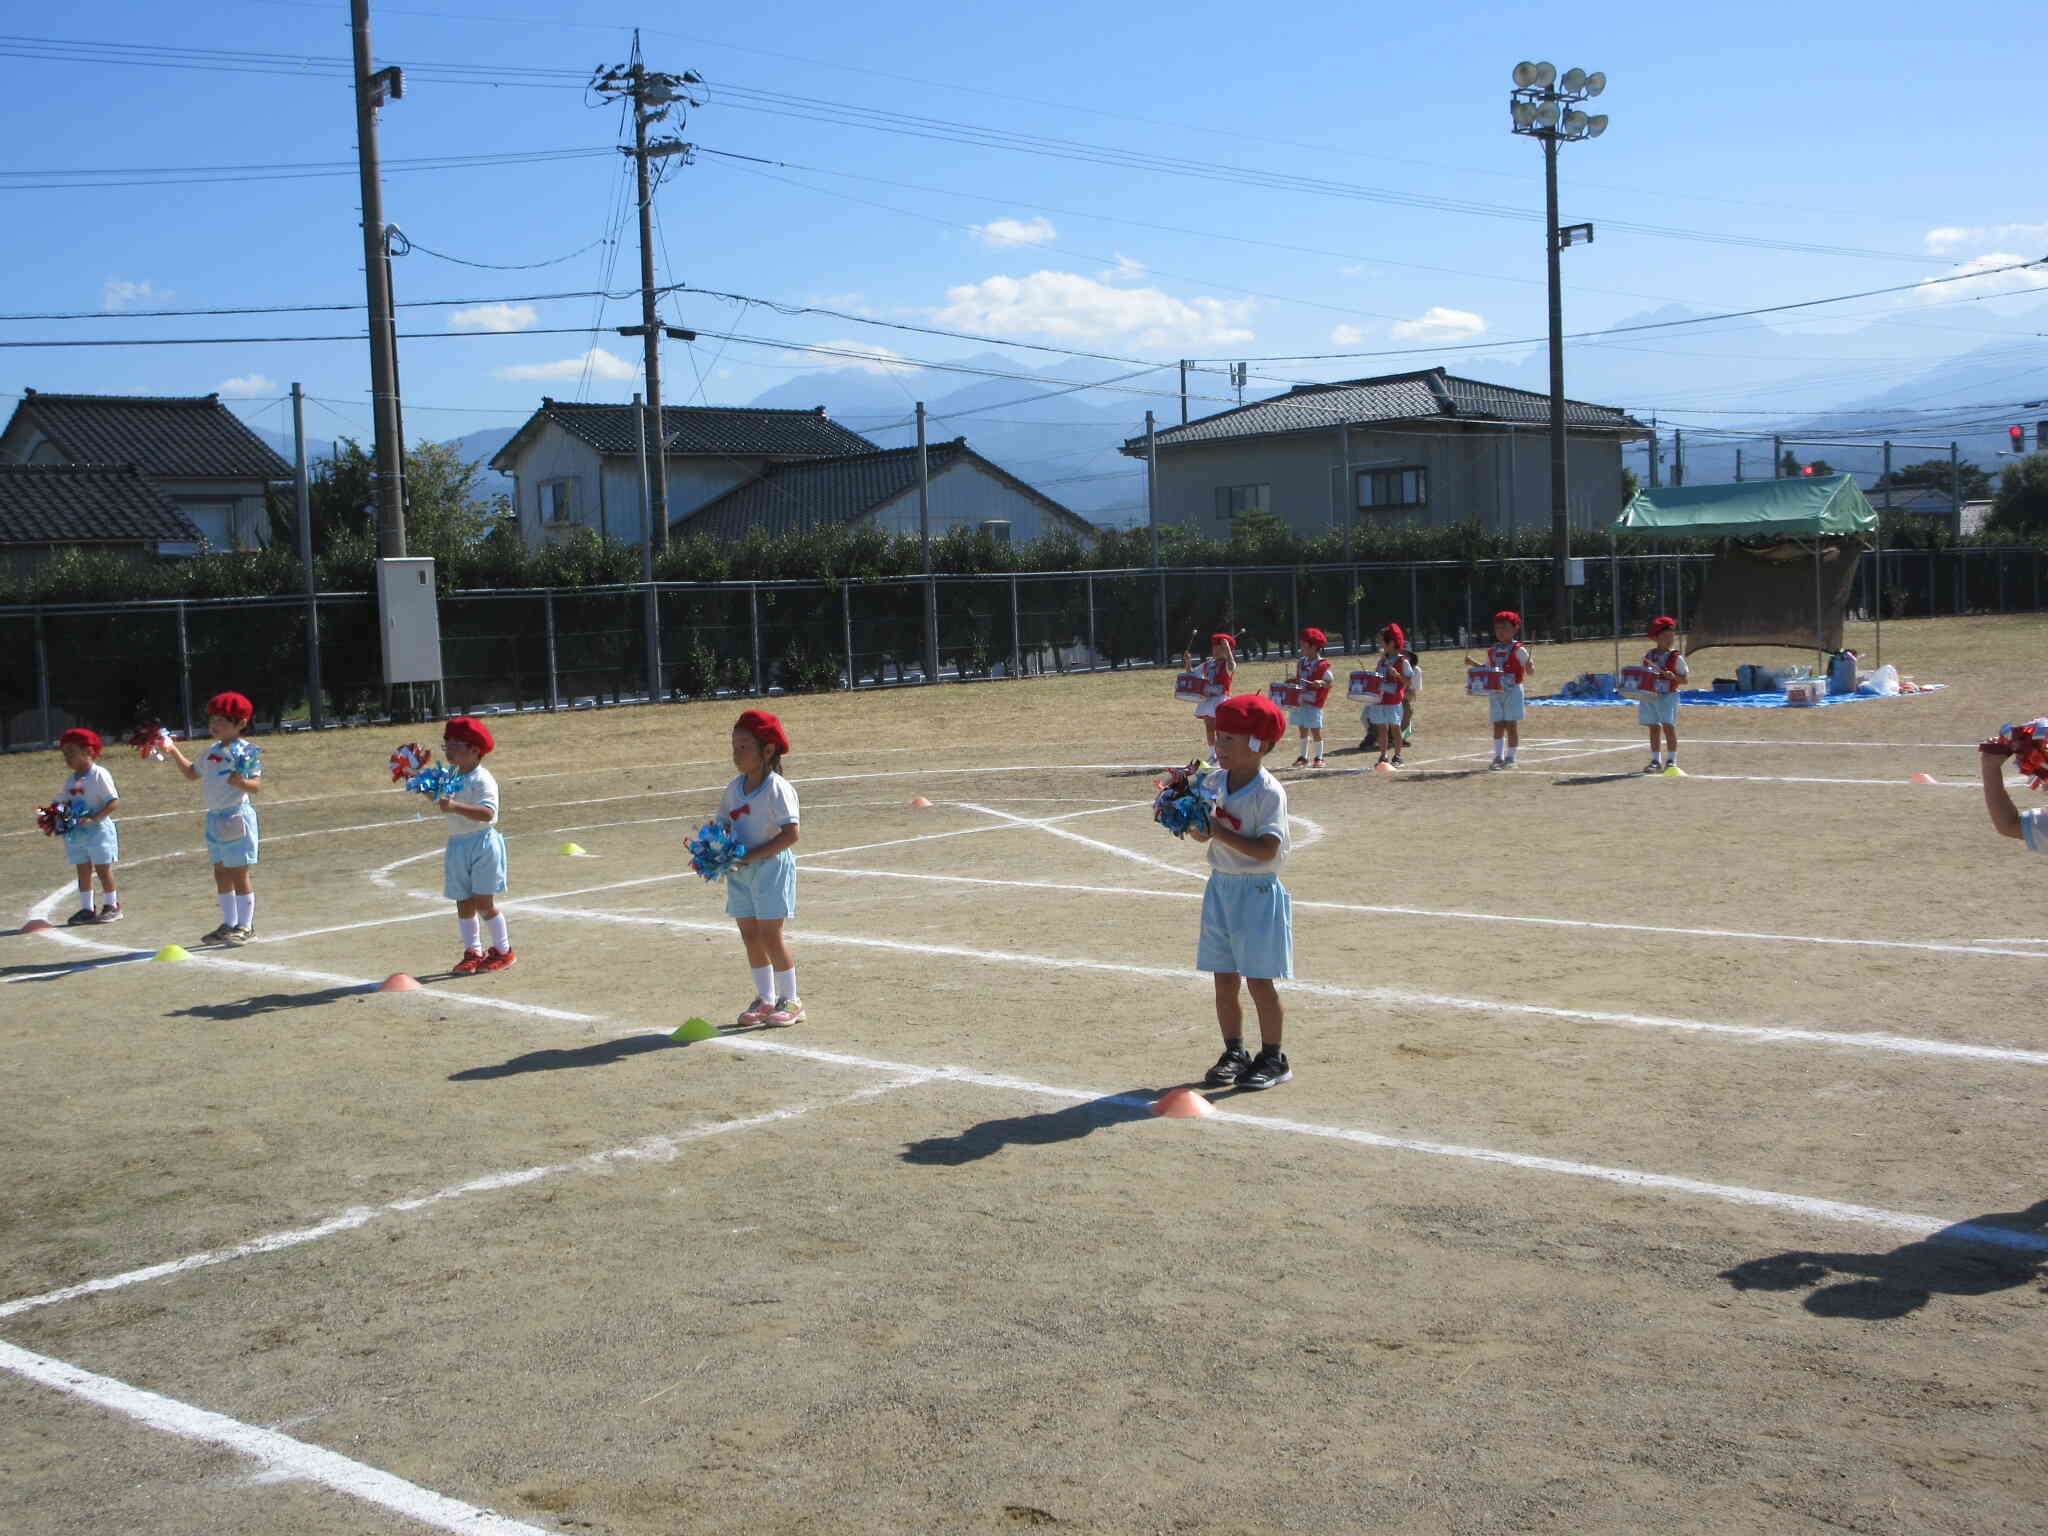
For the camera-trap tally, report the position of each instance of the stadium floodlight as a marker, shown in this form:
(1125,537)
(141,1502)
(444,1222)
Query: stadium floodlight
(1595,83)
(1525,74)
(1546,75)
(1525,113)
(1574,124)
(1596,125)
(1573,82)
(1546,114)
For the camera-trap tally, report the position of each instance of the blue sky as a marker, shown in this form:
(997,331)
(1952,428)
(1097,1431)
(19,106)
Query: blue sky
(1894,135)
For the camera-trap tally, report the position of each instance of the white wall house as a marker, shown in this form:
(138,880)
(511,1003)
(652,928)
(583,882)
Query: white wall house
(578,466)
(192,449)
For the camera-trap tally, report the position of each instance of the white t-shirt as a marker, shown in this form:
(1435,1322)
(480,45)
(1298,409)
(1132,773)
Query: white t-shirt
(214,766)
(479,788)
(761,816)
(95,787)
(1257,809)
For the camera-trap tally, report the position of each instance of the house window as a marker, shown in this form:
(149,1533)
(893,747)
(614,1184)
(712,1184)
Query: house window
(557,501)
(215,521)
(1234,501)
(1379,489)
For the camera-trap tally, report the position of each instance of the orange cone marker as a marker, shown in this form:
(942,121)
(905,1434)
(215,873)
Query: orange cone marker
(1925,778)
(920,804)
(1182,1104)
(398,981)
(35,925)
(1382,767)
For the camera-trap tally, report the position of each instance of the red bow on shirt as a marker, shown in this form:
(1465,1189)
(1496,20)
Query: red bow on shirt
(735,815)
(1222,815)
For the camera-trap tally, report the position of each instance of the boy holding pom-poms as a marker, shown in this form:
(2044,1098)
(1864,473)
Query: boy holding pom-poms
(1659,712)
(228,773)
(1504,708)
(1247,917)
(760,808)
(92,844)
(474,867)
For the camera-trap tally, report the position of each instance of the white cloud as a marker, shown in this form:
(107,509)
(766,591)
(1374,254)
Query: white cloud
(1348,335)
(1072,307)
(494,317)
(2026,280)
(119,293)
(246,385)
(1440,324)
(1953,237)
(1007,232)
(602,365)
(872,359)
(1126,270)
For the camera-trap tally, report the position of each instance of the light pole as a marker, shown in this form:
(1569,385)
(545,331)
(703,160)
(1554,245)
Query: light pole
(1548,108)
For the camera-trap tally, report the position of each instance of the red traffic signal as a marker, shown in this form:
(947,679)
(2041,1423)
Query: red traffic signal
(2019,438)
(1806,469)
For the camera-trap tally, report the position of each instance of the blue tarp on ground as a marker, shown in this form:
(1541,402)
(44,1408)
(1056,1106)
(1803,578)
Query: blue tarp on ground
(1749,700)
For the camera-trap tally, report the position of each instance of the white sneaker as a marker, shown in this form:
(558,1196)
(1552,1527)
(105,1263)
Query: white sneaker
(1496,765)
(758,1013)
(789,1010)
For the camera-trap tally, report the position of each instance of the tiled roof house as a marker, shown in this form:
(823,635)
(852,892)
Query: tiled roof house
(46,507)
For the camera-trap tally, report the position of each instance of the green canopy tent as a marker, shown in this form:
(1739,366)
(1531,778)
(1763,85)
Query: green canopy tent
(1769,529)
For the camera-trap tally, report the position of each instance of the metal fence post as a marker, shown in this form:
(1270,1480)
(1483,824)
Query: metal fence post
(846,624)
(184,671)
(1294,606)
(1091,623)
(554,677)
(1229,599)
(1159,650)
(653,644)
(1016,632)
(43,684)
(1414,602)
(754,622)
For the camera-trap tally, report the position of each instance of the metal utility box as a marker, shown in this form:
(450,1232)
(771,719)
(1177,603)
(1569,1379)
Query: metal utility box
(1574,571)
(411,621)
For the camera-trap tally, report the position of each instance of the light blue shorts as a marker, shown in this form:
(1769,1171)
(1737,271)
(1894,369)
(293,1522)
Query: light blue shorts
(1662,710)
(99,843)
(1382,714)
(1307,716)
(231,837)
(1247,926)
(1505,705)
(766,889)
(474,865)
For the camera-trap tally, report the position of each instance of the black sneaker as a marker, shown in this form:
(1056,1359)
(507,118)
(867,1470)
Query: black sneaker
(1267,1068)
(1230,1068)
(81,917)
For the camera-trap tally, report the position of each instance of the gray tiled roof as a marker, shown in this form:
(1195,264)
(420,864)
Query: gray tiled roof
(817,493)
(178,437)
(1429,394)
(86,504)
(718,430)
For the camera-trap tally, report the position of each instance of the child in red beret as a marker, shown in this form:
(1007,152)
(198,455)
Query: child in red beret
(1661,713)
(474,868)
(1397,676)
(94,843)
(1218,671)
(1313,675)
(760,893)
(1505,709)
(228,773)
(1247,916)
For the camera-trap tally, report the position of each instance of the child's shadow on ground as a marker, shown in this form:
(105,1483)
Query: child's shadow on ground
(1962,1260)
(1068,1124)
(602,1054)
(269,1002)
(1599,778)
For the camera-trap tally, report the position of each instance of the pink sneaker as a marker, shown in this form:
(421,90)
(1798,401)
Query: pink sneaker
(758,1012)
(789,1011)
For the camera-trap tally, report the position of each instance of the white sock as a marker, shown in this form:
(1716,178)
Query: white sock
(501,935)
(85,901)
(785,985)
(227,908)
(245,909)
(1500,749)
(471,931)
(764,983)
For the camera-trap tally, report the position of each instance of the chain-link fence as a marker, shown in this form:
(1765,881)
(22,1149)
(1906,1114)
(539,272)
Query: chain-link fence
(113,665)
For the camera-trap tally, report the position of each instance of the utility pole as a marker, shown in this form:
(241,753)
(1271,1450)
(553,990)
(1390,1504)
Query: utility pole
(1183,391)
(373,89)
(1677,456)
(303,500)
(924,533)
(652,95)
(1738,466)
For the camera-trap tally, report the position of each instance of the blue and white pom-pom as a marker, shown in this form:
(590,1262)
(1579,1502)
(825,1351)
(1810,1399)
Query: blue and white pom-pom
(245,759)
(714,850)
(436,782)
(1184,801)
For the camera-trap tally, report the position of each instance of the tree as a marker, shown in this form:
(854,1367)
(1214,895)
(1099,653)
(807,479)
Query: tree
(1629,486)
(1788,466)
(2021,505)
(1937,475)
(444,514)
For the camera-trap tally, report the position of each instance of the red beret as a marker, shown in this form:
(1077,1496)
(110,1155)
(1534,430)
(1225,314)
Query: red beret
(1510,616)
(79,736)
(764,728)
(1221,639)
(231,706)
(472,733)
(1314,637)
(1661,623)
(1400,639)
(1253,715)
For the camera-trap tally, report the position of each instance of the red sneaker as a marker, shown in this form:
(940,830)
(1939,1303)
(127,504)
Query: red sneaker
(471,962)
(497,959)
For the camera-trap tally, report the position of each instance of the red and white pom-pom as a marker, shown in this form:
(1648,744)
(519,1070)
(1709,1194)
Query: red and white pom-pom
(150,741)
(2028,747)
(408,760)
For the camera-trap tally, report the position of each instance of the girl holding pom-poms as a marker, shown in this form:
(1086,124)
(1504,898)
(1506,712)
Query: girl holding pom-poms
(229,772)
(473,868)
(92,843)
(760,810)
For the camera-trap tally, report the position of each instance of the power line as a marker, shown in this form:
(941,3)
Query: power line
(293,309)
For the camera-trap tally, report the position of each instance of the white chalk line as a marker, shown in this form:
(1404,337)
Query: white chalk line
(279,1456)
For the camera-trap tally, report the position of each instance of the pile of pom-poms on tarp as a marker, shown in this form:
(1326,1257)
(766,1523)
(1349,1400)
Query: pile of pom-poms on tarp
(2027,746)
(1183,802)
(56,819)
(151,741)
(413,766)
(714,851)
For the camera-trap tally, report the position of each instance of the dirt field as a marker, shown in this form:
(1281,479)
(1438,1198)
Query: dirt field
(1604,1199)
